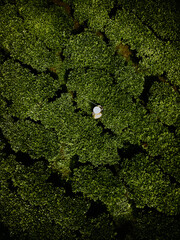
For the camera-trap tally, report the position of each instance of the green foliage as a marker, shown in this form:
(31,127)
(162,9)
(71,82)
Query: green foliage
(156,55)
(29,137)
(161,16)
(2,145)
(30,41)
(102,228)
(119,111)
(2,58)
(163,102)
(87,50)
(36,3)
(41,210)
(156,137)
(78,134)
(151,225)
(26,90)
(58,59)
(129,81)
(94,84)
(149,185)
(94,11)
(50,24)
(170,162)
(3,106)
(174,73)
(102,185)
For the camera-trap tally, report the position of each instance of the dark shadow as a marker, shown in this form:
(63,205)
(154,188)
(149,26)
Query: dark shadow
(6,55)
(27,66)
(33,121)
(114,10)
(173,180)
(61,55)
(66,75)
(26,160)
(129,150)
(74,162)
(134,100)
(134,57)
(96,209)
(152,224)
(147,86)
(15,119)
(4,231)
(8,102)
(58,93)
(113,168)
(74,95)
(57,181)
(124,229)
(171,129)
(7,149)
(105,130)
(52,74)
(18,13)
(11,186)
(80,28)
(104,37)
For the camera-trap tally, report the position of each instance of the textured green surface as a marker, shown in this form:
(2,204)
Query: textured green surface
(63,174)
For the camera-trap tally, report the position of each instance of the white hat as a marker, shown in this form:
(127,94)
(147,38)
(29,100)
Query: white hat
(97,109)
(97,112)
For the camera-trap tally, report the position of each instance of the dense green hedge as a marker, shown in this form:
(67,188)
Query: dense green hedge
(64,174)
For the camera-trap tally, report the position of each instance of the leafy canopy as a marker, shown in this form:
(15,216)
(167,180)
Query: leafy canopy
(63,174)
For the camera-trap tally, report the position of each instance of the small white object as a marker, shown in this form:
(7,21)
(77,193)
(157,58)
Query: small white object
(97,112)
(96,116)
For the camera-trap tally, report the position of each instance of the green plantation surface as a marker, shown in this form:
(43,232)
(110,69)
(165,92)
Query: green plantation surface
(63,174)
